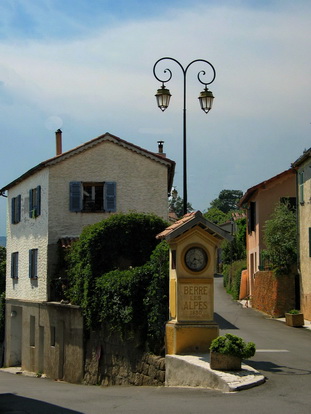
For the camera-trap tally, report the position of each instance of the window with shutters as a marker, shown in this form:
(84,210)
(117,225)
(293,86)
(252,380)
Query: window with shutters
(35,202)
(33,264)
(14,265)
(251,217)
(92,197)
(16,209)
(300,187)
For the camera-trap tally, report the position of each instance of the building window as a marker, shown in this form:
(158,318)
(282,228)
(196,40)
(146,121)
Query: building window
(251,213)
(33,264)
(16,209)
(290,202)
(309,241)
(35,202)
(300,187)
(52,335)
(14,265)
(92,197)
(32,333)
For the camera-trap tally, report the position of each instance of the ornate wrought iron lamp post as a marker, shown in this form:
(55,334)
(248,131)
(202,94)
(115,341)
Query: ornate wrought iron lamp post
(206,101)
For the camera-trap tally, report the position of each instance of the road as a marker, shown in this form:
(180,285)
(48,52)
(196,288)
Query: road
(283,356)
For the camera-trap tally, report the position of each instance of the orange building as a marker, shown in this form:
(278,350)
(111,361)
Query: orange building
(260,202)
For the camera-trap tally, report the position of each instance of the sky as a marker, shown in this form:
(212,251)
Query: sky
(86,66)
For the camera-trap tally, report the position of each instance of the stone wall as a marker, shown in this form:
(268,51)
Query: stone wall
(111,361)
(272,294)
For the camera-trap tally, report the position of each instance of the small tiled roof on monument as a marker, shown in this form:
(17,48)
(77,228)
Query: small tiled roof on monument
(189,221)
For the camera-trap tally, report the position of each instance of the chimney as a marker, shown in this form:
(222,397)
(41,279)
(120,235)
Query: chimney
(160,149)
(58,135)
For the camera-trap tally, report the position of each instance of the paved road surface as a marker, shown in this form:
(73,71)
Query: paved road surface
(284,356)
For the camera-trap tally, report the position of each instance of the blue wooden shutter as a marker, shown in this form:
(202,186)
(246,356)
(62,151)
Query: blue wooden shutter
(75,200)
(38,200)
(19,208)
(33,263)
(14,265)
(13,211)
(110,204)
(30,204)
(30,263)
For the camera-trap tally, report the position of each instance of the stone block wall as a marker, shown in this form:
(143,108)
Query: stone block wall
(112,361)
(272,294)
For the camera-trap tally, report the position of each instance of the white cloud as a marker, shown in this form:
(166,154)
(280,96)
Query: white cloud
(103,81)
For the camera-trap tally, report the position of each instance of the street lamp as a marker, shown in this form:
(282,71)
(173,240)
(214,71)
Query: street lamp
(206,101)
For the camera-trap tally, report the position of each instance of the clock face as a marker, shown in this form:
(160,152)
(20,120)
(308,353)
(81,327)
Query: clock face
(196,259)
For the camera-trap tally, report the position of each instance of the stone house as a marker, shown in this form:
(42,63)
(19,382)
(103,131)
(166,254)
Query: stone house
(303,168)
(52,202)
(260,202)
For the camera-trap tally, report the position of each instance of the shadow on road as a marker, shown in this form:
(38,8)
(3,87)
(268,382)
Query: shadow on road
(277,369)
(223,323)
(11,403)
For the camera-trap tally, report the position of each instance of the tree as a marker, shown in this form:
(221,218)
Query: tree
(177,205)
(280,238)
(227,200)
(216,216)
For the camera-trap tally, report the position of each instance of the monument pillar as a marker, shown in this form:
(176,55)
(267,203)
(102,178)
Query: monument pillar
(193,243)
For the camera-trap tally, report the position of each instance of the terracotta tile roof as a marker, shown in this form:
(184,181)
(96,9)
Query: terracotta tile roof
(89,144)
(306,154)
(251,191)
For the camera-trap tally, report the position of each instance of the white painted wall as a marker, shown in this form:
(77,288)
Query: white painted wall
(30,233)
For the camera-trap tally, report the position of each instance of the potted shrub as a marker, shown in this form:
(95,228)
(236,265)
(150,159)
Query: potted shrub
(294,318)
(227,352)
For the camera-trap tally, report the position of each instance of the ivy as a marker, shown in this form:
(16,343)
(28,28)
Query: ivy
(119,276)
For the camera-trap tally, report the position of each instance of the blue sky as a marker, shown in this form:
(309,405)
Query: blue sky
(86,66)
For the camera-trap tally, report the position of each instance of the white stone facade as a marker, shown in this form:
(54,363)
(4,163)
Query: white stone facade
(141,180)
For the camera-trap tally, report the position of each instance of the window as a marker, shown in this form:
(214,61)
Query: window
(290,202)
(92,196)
(35,202)
(251,216)
(14,265)
(300,187)
(16,209)
(33,264)
(52,335)
(309,241)
(32,331)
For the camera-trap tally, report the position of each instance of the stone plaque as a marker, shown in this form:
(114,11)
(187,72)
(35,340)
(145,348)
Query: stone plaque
(195,300)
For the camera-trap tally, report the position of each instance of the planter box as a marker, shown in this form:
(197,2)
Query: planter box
(222,362)
(294,320)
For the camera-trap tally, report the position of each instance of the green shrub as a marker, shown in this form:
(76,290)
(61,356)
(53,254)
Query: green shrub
(294,312)
(233,345)
(232,277)
(117,243)
(136,300)
(280,237)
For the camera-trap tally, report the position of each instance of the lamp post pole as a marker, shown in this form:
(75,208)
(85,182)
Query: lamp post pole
(206,100)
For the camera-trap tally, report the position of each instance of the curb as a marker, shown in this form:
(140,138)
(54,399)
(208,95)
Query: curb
(195,371)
